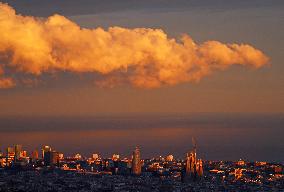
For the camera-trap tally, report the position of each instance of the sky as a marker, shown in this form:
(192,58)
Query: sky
(241,89)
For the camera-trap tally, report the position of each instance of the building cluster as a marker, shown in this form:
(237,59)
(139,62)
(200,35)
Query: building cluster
(51,171)
(193,166)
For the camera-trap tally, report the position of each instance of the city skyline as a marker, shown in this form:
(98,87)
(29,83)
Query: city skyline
(223,136)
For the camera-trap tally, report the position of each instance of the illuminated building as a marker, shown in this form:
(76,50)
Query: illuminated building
(51,158)
(35,155)
(10,155)
(45,149)
(199,168)
(136,162)
(18,151)
(95,156)
(61,156)
(241,163)
(193,168)
(170,158)
(78,156)
(238,173)
(190,164)
(115,157)
(24,154)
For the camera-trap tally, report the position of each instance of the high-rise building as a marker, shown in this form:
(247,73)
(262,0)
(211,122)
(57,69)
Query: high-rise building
(18,151)
(10,156)
(51,158)
(199,168)
(45,149)
(136,162)
(35,155)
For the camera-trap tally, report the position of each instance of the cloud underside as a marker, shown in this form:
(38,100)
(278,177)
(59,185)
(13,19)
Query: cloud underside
(141,57)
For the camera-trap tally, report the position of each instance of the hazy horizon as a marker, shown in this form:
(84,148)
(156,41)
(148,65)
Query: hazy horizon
(219,136)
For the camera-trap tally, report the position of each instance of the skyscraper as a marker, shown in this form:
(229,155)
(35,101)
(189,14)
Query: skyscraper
(35,155)
(199,168)
(45,149)
(10,155)
(51,158)
(18,150)
(136,162)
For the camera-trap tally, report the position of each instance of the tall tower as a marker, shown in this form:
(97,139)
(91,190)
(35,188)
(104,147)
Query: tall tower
(193,168)
(194,149)
(136,162)
(190,164)
(45,149)
(199,168)
(18,150)
(35,155)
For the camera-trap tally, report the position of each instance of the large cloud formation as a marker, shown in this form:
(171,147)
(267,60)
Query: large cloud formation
(142,57)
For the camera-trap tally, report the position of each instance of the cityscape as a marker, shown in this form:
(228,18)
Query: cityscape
(141,96)
(49,170)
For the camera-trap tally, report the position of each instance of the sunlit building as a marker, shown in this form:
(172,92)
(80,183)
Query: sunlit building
(238,173)
(35,155)
(170,158)
(10,156)
(60,156)
(241,162)
(199,168)
(115,157)
(193,168)
(51,158)
(18,151)
(45,149)
(136,162)
(95,156)
(78,156)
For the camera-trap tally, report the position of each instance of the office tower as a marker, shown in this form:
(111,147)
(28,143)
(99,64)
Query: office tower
(136,162)
(18,150)
(54,157)
(35,155)
(45,149)
(51,158)
(199,168)
(194,149)
(10,155)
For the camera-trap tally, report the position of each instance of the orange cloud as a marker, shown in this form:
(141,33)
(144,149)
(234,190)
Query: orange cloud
(142,57)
